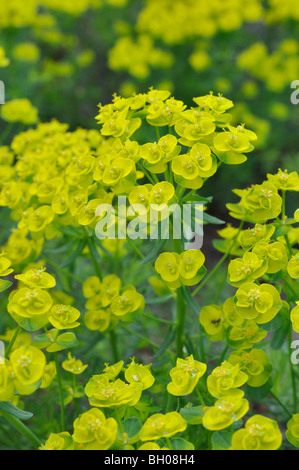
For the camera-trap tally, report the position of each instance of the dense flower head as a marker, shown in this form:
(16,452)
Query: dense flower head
(108,302)
(176,269)
(19,111)
(245,335)
(246,269)
(259,203)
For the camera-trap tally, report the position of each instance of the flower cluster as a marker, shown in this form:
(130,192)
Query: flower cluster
(108,302)
(185,268)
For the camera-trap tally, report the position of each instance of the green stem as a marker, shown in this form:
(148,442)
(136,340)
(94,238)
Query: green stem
(283,217)
(113,342)
(138,252)
(60,392)
(200,397)
(119,421)
(138,335)
(26,432)
(180,311)
(62,270)
(168,443)
(223,259)
(285,280)
(169,402)
(158,320)
(95,263)
(280,403)
(12,342)
(223,354)
(283,211)
(149,177)
(294,384)
(180,308)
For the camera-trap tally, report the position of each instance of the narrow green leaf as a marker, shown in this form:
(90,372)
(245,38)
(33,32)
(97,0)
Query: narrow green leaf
(14,411)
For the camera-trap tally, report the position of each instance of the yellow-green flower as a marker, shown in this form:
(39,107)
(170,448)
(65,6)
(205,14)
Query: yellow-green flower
(29,303)
(159,425)
(97,320)
(4,61)
(245,335)
(64,317)
(295,317)
(91,287)
(151,446)
(26,52)
(246,269)
(103,393)
(28,364)
(255,363)
(167,265)
(20,110)
(225,381)
(260,433)
(130,301)
(185,375)
(251,236)
(292,433)
(37,278)
(190,263)
(137,373)
(49,374)
(258,303)
(60,441)
(285,181)
(73,365)
(95,431)
(113,370)
(225,412)
(7,386)
(180,269)
(275,254)
(212,319)
(293,266)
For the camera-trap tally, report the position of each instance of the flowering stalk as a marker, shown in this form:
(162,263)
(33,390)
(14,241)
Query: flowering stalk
(180,309)
(223,259)
(60,392)
(13,340)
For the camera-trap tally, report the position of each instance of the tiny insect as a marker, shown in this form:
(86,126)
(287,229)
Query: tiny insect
(216,321)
